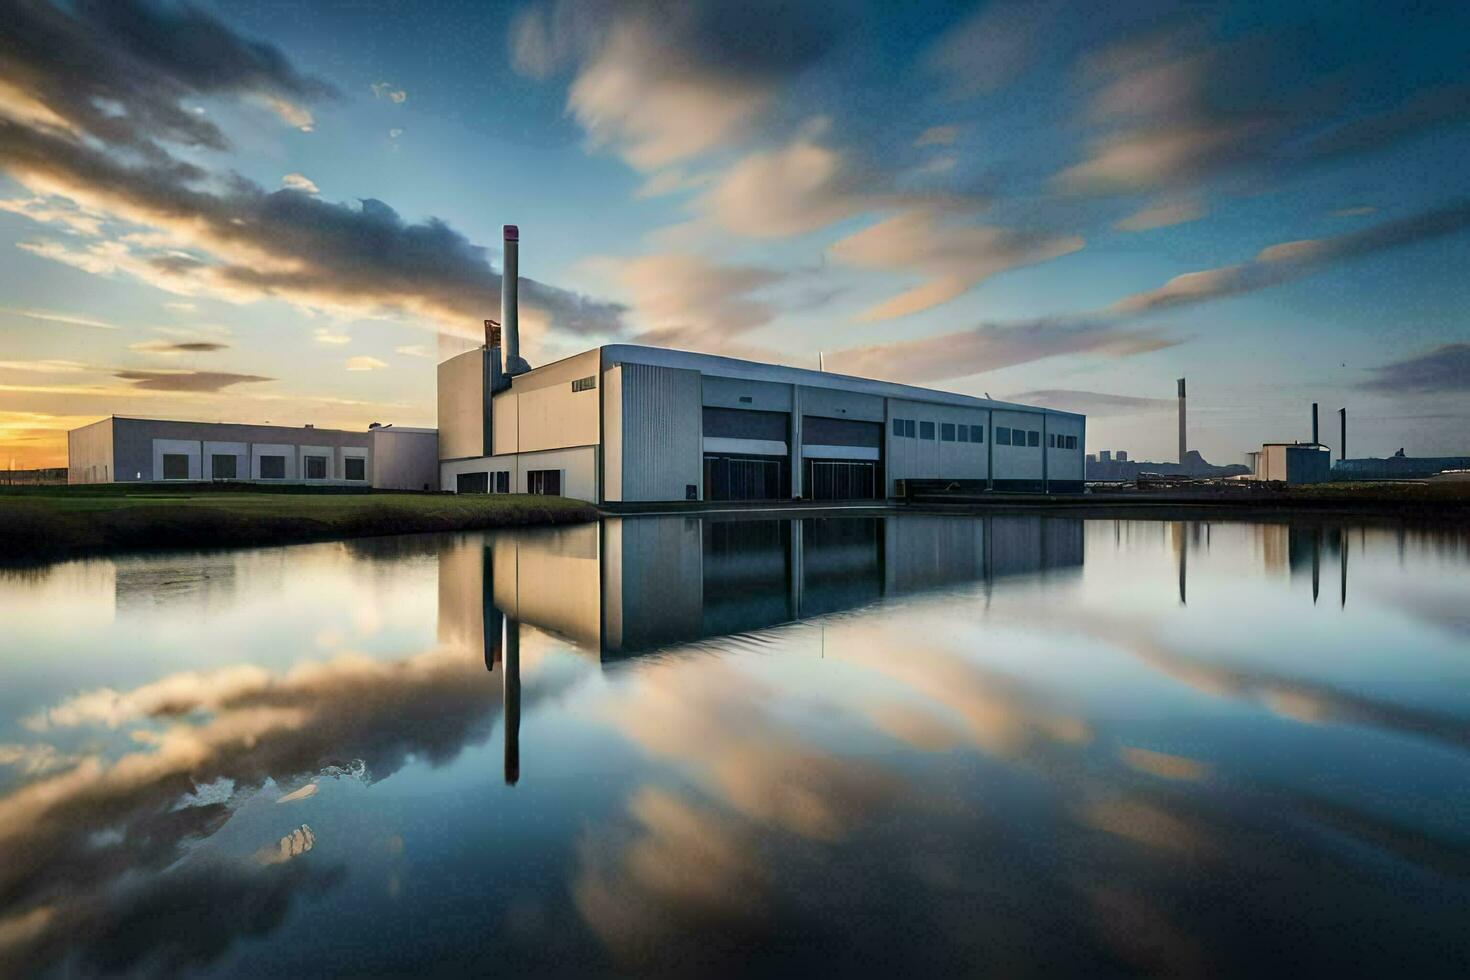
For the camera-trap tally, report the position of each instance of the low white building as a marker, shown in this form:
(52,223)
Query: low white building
(1292,463)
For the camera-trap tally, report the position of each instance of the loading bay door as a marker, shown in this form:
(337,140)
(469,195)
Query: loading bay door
(841,479)
(744,477)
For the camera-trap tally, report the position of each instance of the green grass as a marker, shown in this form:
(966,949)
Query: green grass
(43,523)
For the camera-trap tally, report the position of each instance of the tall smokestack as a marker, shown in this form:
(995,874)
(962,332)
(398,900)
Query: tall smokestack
(1183,447)
(509,308)
(1342,450)
(1315,440)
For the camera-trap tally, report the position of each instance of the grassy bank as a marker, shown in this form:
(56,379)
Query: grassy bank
(43,523)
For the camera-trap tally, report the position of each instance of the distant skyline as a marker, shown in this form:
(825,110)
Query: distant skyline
(286,212)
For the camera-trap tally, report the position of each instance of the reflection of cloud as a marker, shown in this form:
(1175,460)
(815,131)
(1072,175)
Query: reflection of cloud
(1163,764)
(293,845)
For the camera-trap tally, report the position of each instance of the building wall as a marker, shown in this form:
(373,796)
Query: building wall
(660,432)
(1017,463)
(239,450)
(139,445)
(462,406)
(1066,465)
(578,468)
(404,459)
(914,458)
(547,413)
(761,396)
(89,456)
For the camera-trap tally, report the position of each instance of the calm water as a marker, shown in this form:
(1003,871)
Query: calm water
(1016,746)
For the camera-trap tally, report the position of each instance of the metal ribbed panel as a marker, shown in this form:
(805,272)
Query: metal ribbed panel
(661,432)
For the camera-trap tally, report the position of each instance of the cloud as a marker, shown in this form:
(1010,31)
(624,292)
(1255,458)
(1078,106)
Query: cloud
(1446,369)
(1353,212)
(393,134)
(991,347)
(671,181)
(365,363)
(50,316)
(1162,214)
(47,366)
(1294,260)
(662,83)
(937,136)
(413,350)
(681,294)
(55,212)
(299,182)
(1092,403)
(119,71)
(954,257)
(178,347)
(992,47)
(387,90)
(182,307)
(202,381)
(324,335)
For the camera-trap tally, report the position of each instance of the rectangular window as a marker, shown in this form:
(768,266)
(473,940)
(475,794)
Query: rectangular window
(316,467)
(272,467)
(175,466)
(908,428)
(964,433)
(546,482)
(471,482)
(1033,438)
(1002,436)
(585,384)
(926,431)
(898,427)
(977,433)
(222,466)
(502,481)
(1071,442)
(354,467)
(946,432)
(1051,440)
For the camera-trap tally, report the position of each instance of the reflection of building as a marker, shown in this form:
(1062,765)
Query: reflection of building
(633,584)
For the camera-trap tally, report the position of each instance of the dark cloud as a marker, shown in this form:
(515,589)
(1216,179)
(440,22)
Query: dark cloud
(209,381)
(1095,403)
(181,347)
(119,70)
(1294,260)
(1444,369)
(993,346)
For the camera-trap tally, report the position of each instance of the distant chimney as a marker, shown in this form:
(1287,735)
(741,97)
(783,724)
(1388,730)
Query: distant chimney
(1182,444)
(1315,434)
(509,307)
(1342,450)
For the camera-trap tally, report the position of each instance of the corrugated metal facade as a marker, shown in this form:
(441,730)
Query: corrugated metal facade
(660,428)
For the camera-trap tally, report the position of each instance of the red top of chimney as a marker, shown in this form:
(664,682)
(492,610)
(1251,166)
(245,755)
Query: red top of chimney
(512,233)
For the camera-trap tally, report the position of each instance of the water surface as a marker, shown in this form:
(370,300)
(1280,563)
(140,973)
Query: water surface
(913,745)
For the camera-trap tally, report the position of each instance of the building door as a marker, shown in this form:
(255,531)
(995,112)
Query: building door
(744,477)
(544,482)
(840,479)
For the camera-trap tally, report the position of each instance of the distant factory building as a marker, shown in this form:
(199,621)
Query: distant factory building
(1105,456)
(1122,456)
(128,450)
(1292,463)
(624,423)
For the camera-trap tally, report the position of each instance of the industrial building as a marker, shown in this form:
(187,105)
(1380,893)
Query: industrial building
(623,423)
(1292,462)
(128,450)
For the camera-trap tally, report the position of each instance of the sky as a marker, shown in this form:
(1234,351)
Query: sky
(289,212)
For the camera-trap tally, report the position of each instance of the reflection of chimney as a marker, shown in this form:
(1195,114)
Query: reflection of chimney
(1315,440)
(1182,444)
(511,700)
(1342,450)
(509,306)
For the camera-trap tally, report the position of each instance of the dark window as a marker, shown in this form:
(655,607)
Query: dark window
(908,428)
(946,432)
(1033,438)
(471,482)
(1051,440)
(1002,435)
(272,467)
(746,400)
(175,466)
(502,481)
(742,423)
(585,384)
(547,482)
(222,466)
(926,431)
(1071,442)
(818,430)
(316,467)
(964,433)
(898,427)
(977,433)
(354,467)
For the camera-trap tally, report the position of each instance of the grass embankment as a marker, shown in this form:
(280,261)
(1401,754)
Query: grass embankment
(43,523)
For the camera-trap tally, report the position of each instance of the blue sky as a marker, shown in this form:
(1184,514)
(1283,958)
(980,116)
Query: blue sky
(263,211)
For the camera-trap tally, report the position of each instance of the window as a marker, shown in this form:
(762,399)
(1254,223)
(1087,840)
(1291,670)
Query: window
(1033,438)
(502,481)
(964,433)
(926,431)
(1002,436)
(544,482)
(908,428)
(1071,442)
(898,427)
(746,400)
(354,467)
(585,384)
(272,467)
(316,467)
(946,432)
(977,433)
(175,466)
(1051,440)
(471,482)
(222,466)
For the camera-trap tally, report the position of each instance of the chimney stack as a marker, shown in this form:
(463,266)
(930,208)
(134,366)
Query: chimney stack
(1183,447)
(509,307)
(1342,450)
(1316,441)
